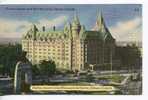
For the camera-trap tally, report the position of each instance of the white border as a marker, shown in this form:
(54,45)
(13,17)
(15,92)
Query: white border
(70,1)
(91,97)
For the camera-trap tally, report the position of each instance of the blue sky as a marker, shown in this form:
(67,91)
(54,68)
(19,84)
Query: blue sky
(124,21)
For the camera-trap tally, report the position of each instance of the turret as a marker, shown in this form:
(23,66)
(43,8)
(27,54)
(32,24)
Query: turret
(101,27)
(67,29)
(76,27)
(43,28)
(34,31)
(82,32)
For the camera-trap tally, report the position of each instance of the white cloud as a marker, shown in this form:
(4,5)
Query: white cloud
(129,30)
(58,21)
(15,28)
(8,28)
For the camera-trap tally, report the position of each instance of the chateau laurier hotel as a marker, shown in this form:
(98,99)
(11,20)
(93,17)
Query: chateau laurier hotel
(73,48)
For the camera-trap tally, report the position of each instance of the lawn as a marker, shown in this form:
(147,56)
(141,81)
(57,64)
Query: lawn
(113,78)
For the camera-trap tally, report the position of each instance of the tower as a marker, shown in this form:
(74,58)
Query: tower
(101,27)
(34,30)
(107,40)
(75,26)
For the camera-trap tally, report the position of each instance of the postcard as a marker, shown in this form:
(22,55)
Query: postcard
(91,49)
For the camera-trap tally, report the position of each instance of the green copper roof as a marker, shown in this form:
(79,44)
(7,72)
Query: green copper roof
(51,34)
(102,28)
(96,35)
(61,34)
(92,34)
(101,33)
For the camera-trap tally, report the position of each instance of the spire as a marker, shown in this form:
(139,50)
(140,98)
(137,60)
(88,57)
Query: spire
(82,29)
(76,20)
(34,30)
(100,23)
(67,29)
(101,27)
(82,32)
(76,27)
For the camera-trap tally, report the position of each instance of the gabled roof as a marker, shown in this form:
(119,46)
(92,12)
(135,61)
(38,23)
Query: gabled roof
(102,28)
(97,35)
(101,32)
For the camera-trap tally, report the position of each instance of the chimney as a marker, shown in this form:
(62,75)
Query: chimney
(43,28)
(53,28)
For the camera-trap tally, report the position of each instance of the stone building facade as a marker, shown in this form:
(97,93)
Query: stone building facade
(73,48)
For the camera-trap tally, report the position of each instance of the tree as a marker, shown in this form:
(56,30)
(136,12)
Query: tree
(35,70)
(9,54)
(47,68)
(130,56)
(1,69)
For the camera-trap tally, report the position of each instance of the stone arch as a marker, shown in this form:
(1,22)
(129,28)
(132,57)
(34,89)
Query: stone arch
(22,69)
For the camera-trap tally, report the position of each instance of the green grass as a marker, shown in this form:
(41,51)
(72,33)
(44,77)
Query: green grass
(113,78)
(74,83)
